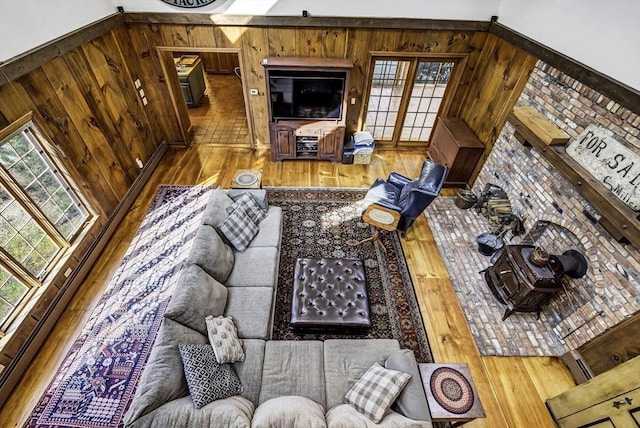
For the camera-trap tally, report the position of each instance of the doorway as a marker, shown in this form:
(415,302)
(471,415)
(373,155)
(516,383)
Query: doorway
(405,96)
(218,113)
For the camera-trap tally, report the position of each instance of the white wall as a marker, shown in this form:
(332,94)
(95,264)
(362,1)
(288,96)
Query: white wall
(435,9)
(603,34)
(25,24)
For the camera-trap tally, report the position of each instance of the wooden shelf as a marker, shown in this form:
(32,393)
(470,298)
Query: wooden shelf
(617,218)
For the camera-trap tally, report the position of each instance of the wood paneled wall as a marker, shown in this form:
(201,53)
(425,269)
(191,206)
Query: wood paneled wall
(494,74)
(86,103)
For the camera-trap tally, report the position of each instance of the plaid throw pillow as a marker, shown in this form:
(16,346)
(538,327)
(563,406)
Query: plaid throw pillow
(249,204)
(375,391)
(239,229)
(207,380)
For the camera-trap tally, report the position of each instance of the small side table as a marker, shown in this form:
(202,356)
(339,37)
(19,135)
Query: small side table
(451,394)
(247,179)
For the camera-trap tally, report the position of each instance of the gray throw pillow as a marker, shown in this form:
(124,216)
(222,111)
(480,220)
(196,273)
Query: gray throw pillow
(412,401)
(207,379)
(373,394)
(196,296)
(210,253)
(250,206)
(239,229)
(223,337)
(216,210)
(260,195)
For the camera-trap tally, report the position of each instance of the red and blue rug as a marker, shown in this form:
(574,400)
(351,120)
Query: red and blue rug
(96,382)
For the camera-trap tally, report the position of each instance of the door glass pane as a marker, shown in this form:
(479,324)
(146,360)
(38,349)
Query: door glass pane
(426,96)
(387,87)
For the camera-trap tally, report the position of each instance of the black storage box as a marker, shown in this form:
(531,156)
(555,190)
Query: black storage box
(347,151)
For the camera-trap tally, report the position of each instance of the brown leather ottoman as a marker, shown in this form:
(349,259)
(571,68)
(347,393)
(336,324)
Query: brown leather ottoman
(329,294)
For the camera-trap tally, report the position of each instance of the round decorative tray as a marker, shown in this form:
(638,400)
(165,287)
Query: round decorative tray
(246,178)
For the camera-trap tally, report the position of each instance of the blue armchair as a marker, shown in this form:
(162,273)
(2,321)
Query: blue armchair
(394,204)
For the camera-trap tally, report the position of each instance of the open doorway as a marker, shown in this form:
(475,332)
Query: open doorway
(208,94)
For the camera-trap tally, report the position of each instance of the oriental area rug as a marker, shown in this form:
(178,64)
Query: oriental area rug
(320,222)
(97,379)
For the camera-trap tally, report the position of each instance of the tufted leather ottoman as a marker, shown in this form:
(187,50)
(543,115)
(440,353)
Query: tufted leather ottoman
(329,294)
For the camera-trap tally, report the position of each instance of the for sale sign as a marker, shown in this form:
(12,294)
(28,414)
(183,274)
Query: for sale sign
(614,164)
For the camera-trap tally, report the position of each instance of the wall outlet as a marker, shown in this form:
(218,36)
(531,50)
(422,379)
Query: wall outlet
(144,101)
(141,91)
(67,272)
(137,83)
(253,91)
(353,101)
(139,163)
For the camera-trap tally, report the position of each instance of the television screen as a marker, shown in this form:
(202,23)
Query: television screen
(306,95)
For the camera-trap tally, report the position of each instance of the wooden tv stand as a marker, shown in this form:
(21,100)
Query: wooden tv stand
(298,137)
(306,140)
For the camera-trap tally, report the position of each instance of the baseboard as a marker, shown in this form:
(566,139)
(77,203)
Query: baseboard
(13,372)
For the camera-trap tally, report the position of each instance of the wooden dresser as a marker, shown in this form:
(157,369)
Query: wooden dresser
(455,145)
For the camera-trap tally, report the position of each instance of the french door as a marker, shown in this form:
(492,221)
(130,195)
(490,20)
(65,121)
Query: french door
(405,97)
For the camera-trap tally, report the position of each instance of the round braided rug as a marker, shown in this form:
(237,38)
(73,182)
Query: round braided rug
(451,390)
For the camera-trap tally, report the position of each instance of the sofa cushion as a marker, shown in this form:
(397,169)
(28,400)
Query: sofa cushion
(207,379)
(239,229)
(270,233)
(382,191)
(216,210)
(249,371)
(256,267)
(293,367)
(223,338)
(247,203)
(345,416)
(210,253)
(251,310)
(260,195)
(234,412)
(289,411)
(373,394)
(162,379)
(412,401)
(345,360)
(196,296)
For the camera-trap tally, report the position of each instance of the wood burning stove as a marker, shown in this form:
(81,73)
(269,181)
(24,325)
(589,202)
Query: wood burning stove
(524,278)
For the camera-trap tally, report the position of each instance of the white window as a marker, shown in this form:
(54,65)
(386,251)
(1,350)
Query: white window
(40,215)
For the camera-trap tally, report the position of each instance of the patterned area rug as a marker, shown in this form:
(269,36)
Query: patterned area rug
(327,223)
(96,382)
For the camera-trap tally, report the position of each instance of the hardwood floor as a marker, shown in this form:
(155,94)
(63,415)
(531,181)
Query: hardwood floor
(512,389)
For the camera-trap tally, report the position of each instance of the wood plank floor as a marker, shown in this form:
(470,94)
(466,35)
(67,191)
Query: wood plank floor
(512,389)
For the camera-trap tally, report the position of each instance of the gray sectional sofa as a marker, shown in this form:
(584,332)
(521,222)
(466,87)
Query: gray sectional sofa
(285,383)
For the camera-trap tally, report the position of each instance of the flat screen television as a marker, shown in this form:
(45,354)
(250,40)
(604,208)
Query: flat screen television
(306,94)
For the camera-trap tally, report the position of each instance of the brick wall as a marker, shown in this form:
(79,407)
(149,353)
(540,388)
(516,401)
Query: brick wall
(610,291)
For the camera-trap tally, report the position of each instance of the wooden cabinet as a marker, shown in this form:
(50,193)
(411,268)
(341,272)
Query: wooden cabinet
(220,62)
(611,399)
(191,76)
(307,99)
(282,142)
(455,145)
(295,140)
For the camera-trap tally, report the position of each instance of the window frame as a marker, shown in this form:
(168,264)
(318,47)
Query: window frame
(51,156)
(459,61)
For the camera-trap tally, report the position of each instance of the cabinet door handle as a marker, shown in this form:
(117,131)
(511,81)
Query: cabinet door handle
(626,400)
